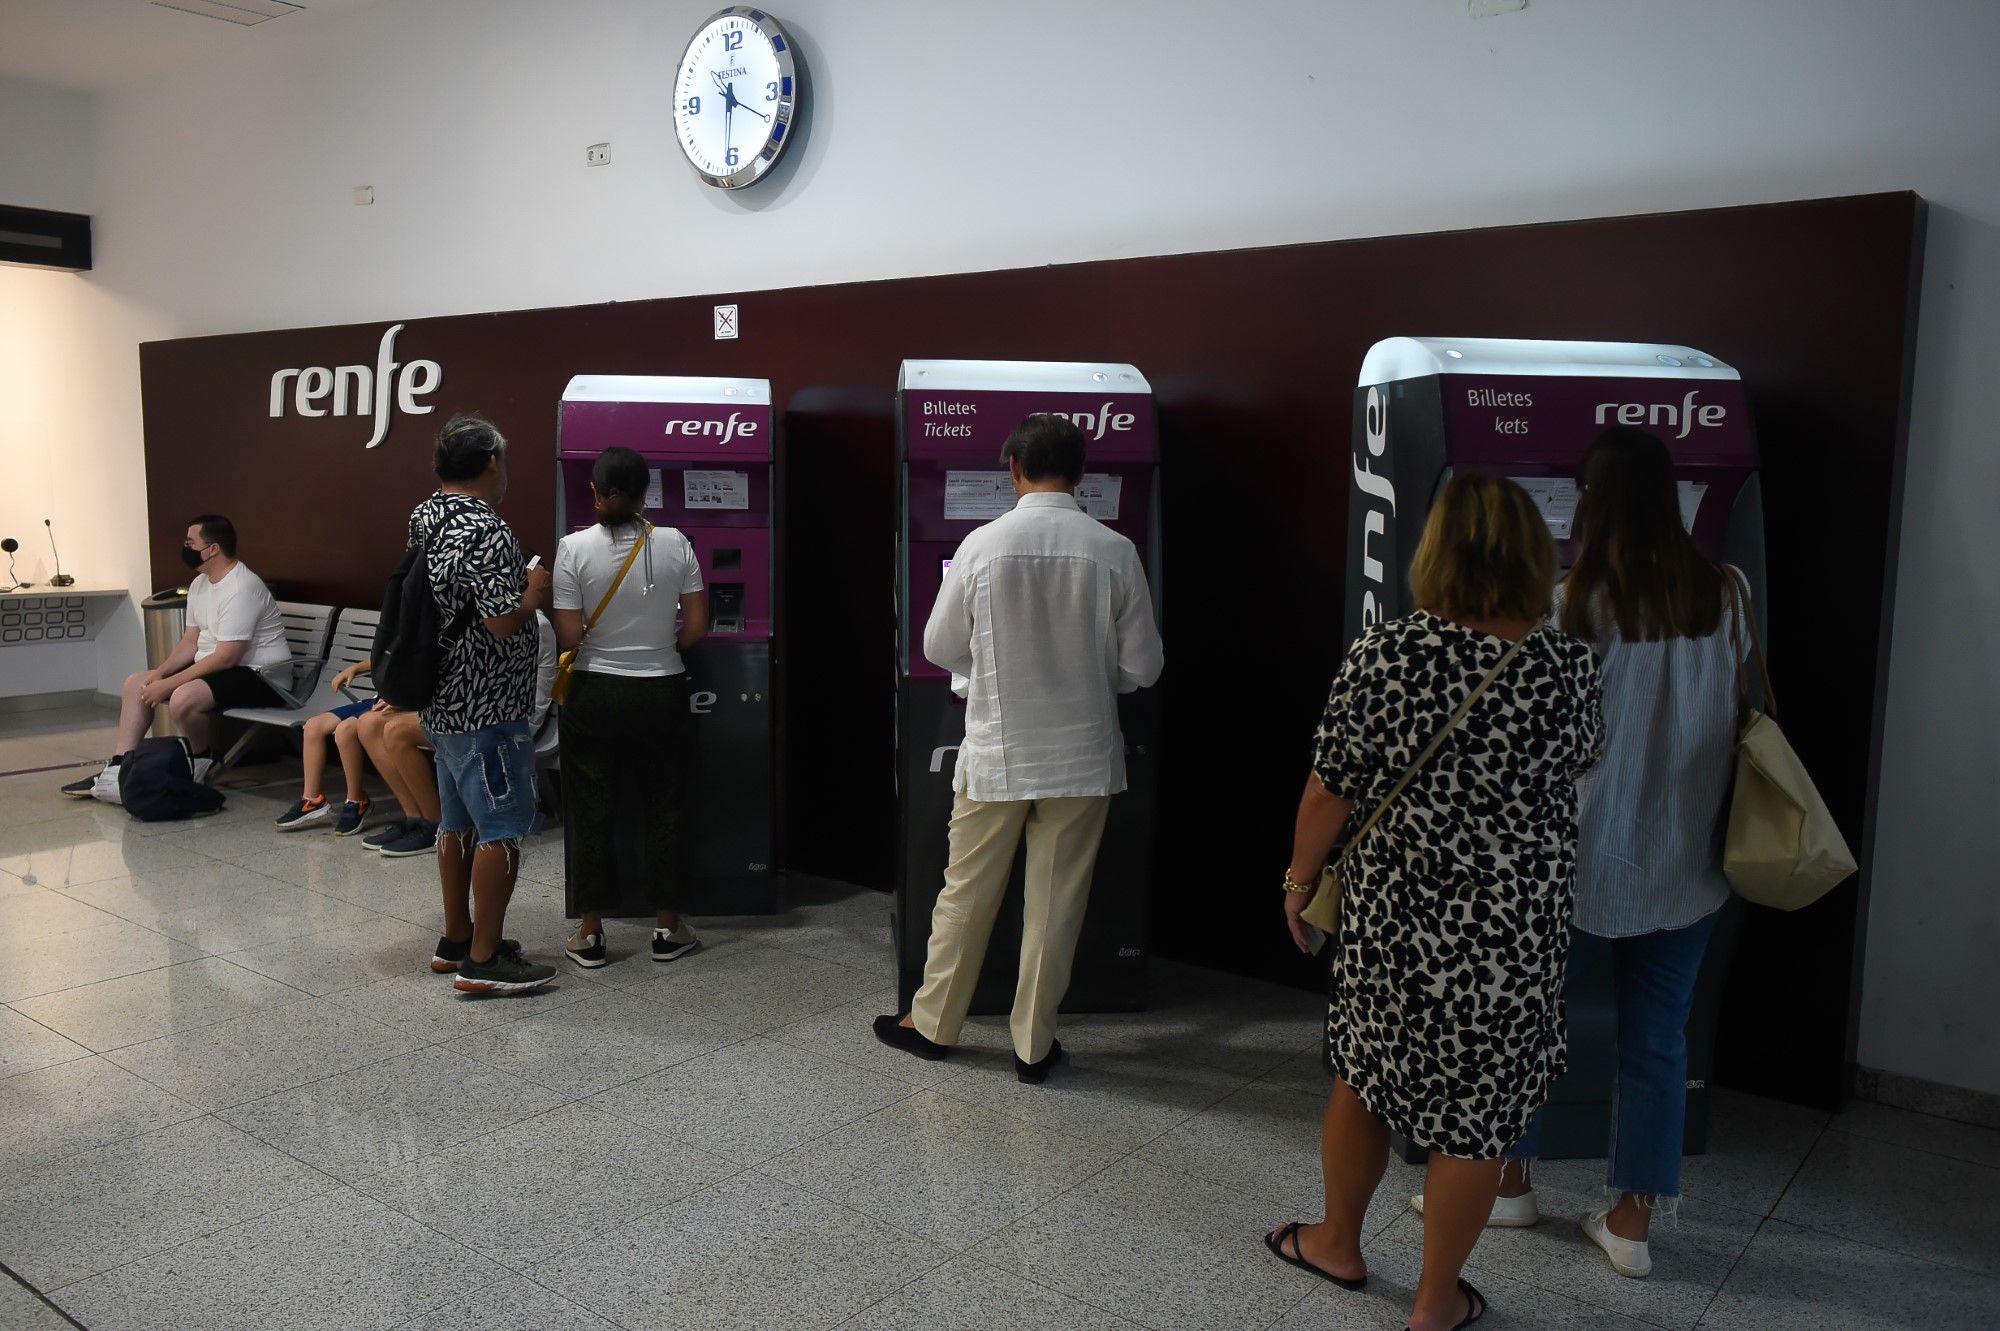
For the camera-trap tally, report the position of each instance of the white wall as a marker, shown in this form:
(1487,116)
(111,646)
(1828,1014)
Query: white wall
(955,136)
(69,401)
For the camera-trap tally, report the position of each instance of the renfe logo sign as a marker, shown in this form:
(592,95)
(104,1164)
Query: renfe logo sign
(360,390)
(1095,423)
(1686,415)
(1378,488)
(719,429)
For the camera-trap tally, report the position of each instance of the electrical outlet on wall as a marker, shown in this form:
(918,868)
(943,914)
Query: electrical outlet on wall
(597,154)
(364,194)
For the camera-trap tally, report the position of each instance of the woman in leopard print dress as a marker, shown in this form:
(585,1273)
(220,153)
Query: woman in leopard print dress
(1445,1024)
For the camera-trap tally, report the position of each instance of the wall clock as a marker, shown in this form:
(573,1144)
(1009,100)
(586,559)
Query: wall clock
(737,97)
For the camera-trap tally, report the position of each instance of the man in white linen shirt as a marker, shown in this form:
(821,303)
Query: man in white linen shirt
(1043,620)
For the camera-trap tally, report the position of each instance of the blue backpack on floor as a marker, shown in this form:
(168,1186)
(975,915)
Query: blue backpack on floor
(156,783)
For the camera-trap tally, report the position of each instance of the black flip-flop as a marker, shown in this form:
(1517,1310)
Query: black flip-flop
(1475,1303)
(1297,1257)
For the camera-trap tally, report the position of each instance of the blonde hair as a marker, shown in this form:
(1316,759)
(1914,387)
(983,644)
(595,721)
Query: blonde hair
(1485,553)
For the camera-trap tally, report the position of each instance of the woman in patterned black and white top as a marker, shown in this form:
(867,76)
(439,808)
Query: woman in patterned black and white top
(1445,1022)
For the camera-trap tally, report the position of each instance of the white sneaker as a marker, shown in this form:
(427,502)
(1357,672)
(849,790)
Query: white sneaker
(1627,1258)
(202,767)
(1508,1212)
(106,787)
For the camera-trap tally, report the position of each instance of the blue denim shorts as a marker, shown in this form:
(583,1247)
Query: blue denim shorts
(349,710)
(486,782)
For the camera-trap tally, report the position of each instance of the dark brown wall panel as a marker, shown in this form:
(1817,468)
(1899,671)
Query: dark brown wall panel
(1253,356)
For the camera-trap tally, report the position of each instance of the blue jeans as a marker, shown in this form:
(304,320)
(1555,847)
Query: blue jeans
(486,782)
(1654,975)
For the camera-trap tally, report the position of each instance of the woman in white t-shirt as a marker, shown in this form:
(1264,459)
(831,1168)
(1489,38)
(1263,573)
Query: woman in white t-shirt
(627,742)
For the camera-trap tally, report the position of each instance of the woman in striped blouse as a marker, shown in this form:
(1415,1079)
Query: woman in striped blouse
(1663,621)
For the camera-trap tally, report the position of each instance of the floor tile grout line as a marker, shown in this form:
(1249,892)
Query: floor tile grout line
(9,1273)
(1918,1150)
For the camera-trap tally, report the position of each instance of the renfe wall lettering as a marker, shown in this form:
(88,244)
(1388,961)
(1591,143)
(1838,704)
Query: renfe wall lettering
(1687,415)
(1375,524)
(360,390)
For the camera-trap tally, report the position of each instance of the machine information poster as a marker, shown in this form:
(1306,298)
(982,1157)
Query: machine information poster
(715,489)
(655,494)
(1098,496)
(977,496)
(1555,500)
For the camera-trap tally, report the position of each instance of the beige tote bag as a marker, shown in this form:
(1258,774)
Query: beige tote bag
(1782,848)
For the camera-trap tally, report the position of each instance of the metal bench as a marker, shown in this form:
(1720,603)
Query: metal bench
(346,638)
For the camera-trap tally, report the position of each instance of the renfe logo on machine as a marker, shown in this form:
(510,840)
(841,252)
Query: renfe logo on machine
(1687,415)
(1106,419)
(718,429)
(1375,486)
(360,390)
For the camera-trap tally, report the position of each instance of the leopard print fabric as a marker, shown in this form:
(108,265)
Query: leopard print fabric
(1445,1013)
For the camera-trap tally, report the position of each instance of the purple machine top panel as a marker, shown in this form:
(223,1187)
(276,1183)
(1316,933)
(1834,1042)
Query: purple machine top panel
(685,431)
(1540,426)
(949,432)
(732,443)
(970,425)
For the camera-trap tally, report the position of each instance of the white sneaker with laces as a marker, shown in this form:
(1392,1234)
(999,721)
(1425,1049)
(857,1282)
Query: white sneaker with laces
(1627,1258)
(1508,1212)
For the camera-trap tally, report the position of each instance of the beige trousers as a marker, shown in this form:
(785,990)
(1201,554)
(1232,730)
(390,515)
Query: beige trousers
(1063,835)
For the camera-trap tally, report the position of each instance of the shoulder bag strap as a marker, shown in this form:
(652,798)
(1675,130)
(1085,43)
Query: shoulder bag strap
(617,582)
(1743,617)
(1437,741)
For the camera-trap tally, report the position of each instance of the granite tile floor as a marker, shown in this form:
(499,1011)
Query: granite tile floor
(232,1095)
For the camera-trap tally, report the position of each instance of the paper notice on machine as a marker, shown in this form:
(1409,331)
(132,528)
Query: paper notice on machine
(977,496)
(716,489)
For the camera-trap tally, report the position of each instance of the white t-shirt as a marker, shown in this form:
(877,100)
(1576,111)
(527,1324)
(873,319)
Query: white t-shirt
(239,608)
(636,634)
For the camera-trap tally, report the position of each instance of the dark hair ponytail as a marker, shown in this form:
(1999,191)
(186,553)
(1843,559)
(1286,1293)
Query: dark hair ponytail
(1636,566)
(621,477)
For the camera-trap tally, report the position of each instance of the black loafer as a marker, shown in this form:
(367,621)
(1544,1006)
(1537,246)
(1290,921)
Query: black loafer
(891,1031)
(1034,1074)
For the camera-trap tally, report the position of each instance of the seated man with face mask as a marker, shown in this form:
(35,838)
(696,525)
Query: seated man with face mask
(233,650)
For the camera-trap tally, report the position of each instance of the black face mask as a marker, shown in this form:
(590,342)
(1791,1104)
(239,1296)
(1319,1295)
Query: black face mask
(192,558)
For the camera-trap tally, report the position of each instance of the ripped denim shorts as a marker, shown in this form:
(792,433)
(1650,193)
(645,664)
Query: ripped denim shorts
(486,782)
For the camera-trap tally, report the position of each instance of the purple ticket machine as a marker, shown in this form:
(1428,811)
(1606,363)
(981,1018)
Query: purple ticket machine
(1428,407)
(952,418)
(709,444)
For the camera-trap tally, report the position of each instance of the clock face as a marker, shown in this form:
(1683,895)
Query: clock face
(736,96)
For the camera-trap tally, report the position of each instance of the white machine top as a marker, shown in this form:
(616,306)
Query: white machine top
(1022,376)
(666,388)
(1398,358)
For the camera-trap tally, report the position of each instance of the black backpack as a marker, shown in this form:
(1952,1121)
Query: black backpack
(156,783)
(411,640)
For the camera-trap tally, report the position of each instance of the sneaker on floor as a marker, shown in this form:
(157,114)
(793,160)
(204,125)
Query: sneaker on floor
(449,956)
(508,973)
(85,787)
(105,786)
(305,813)
(668,946)
(1508,1212)
(420,838)
(203,767)
(383,835)
(586,950)
(353,814)
(1634,1260)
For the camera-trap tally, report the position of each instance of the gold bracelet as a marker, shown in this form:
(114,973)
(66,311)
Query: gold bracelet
(1291,886)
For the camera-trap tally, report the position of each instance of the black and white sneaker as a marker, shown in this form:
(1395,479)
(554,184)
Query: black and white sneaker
(419,838)
(672,946)
(203,767)
(450,957)
(507,973)
(382,836)
(86,787)
(586,950)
